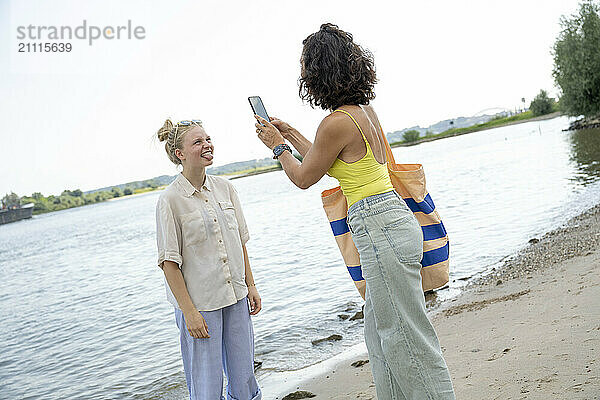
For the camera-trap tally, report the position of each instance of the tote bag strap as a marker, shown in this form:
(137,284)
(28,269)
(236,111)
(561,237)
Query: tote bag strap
(388,149)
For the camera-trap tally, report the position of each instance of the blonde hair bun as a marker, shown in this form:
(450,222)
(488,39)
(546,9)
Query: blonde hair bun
(163,132)
(173,138)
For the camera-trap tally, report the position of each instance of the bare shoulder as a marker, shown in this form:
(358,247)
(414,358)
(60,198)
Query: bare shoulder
(336,126)
(368,107)
(371,113)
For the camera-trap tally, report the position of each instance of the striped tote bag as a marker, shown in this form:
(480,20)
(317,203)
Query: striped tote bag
(409,182)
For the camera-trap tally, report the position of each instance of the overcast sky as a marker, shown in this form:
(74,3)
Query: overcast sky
(86,119)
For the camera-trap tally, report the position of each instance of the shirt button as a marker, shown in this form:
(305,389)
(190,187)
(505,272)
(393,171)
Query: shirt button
(215,220)
(228,281)
(220,241)
(224,260)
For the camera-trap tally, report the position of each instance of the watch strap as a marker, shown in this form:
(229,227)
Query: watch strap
(279,149)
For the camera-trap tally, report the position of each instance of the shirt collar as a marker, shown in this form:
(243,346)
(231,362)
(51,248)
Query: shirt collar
(189,189)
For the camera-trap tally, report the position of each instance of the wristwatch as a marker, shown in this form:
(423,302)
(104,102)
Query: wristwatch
(279,149)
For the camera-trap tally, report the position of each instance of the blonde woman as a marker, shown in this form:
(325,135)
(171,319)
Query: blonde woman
(201,237)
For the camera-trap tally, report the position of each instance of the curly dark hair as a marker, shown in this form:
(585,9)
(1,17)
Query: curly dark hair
(335,70)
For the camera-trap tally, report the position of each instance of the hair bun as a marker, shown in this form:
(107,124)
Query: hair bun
(163,132)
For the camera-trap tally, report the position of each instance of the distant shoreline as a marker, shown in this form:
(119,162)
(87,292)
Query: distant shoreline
(265,170)
(430,139)
(259,172)
(129,196)
(442,136)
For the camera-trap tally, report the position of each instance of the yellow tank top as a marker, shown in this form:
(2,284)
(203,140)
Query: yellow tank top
(362,178)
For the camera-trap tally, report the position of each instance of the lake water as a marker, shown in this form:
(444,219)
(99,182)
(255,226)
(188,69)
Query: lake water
(82,304)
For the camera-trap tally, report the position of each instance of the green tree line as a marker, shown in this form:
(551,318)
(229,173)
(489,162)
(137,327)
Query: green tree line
(72,198)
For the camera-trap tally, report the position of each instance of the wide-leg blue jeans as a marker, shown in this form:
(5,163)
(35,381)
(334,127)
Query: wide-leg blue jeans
(405,354)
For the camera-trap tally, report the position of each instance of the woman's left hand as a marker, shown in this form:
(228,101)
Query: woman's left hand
(255,302)
(268,133)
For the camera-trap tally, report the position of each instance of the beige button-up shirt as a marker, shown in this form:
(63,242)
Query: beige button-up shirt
(203,232)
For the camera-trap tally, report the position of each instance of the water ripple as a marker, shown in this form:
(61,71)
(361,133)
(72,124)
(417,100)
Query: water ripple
(83,310)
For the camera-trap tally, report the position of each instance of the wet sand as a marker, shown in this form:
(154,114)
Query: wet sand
(529,330)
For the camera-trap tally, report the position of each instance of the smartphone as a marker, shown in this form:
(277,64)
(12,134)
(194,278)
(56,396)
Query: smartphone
(258,107)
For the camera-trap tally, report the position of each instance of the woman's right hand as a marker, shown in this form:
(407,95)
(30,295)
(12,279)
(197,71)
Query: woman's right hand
(196,325)
(283,127)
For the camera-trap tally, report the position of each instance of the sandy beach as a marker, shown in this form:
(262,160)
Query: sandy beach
(528,330)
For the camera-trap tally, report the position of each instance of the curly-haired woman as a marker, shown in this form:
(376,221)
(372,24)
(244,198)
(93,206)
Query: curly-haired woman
(201,236)
(338,75)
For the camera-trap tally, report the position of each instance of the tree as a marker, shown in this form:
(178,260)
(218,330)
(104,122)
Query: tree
(41,205)
(411,135)
(577,61)
(127,191)
(11,200)
(541,104)
(116,192)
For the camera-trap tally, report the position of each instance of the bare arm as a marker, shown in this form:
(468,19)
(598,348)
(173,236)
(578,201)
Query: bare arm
(196,325)
(253,297)
(330,140)
(300,143)
(291,134)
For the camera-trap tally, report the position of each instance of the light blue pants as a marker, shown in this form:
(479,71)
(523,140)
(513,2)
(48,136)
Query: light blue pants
(230,348)
(406,359)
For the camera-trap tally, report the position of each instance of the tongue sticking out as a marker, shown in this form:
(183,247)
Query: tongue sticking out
(208,156)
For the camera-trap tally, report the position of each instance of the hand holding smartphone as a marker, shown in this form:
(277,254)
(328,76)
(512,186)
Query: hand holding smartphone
(258,107)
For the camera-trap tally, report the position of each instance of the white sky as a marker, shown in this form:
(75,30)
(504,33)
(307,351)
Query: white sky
(86,119)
